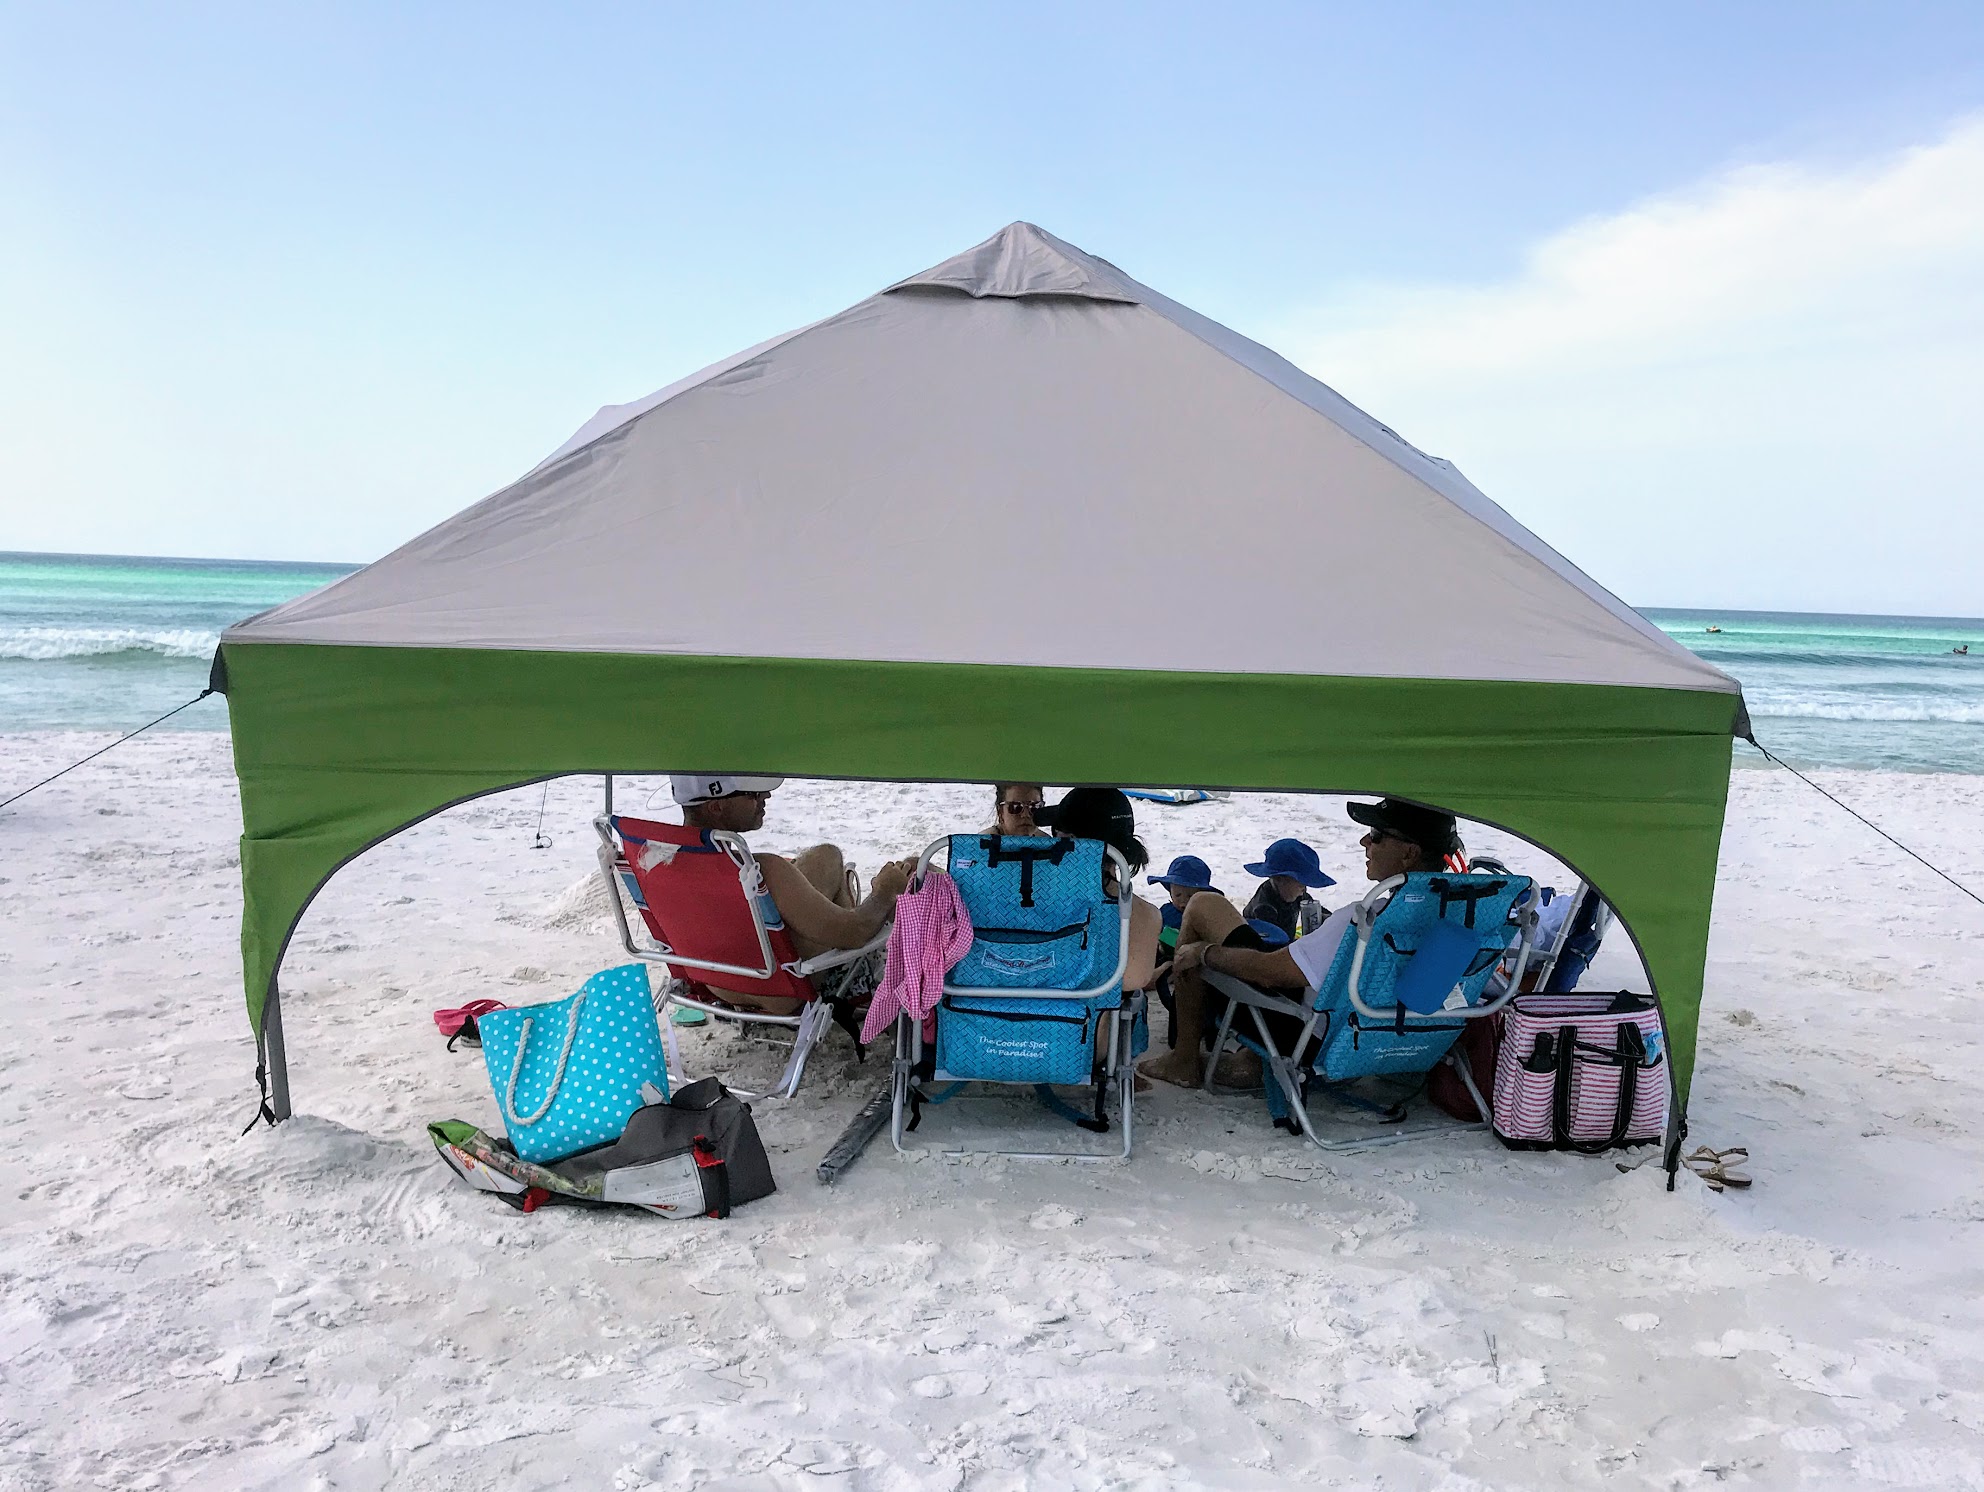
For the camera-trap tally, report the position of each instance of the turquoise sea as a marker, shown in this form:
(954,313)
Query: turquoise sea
(107,642)
(104,642)
(1850,691)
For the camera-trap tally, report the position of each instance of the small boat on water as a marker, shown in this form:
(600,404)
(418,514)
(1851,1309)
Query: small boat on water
(1711,629)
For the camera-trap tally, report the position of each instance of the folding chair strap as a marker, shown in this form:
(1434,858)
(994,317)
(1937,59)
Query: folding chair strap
(996,855)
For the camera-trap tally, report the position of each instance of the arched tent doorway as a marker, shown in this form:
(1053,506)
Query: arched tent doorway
(782,565)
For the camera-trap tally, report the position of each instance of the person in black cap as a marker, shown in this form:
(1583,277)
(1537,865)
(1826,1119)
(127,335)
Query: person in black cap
(1400,837)
(1398,829)
(1104,813)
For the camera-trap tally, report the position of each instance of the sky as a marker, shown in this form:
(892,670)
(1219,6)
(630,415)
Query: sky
(1695,291)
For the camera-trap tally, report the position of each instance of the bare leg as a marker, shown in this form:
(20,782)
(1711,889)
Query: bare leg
(823,866)
(827,870)
(1209,918)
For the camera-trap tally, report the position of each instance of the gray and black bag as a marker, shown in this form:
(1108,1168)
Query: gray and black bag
(695,1155)
(703,1111)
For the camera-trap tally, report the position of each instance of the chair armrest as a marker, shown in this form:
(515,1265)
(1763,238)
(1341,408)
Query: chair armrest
(611,860)
(609,869)
(924,860)
(1241,993)
(1364,914)
(835,958)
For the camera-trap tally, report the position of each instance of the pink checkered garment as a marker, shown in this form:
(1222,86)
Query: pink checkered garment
(932,932)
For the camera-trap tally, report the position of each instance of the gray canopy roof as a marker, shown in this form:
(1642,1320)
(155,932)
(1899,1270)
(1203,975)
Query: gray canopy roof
(1020,456)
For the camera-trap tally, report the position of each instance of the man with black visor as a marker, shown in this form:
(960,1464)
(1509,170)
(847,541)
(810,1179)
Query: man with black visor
(1400,837)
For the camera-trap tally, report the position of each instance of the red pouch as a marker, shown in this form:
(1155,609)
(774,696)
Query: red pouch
(1478,1046)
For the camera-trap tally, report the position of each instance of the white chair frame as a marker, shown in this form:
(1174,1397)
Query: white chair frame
(1118,1069)
(1545,958)
(1284,1069)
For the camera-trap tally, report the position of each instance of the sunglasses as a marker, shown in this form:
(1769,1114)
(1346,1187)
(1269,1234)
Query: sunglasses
(1010,806)
(1379,836)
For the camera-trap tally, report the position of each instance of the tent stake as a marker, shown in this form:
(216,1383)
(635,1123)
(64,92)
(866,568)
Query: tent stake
(273,1055)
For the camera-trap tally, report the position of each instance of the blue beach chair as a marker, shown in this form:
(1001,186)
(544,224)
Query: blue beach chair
(1576,940)
(1413,970)
(1028,1003)
(1570,926)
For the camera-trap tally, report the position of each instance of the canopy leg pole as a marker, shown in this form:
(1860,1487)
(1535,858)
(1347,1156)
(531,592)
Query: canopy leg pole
(274,1058)
(609,795)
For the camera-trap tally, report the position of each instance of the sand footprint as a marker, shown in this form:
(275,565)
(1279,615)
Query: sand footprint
(1915,1466)
(950,1385)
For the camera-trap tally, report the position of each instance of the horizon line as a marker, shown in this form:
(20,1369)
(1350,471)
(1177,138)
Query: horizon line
(352,566)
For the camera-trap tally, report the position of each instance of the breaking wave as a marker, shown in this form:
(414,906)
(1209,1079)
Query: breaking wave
(1894,712)
(43,644)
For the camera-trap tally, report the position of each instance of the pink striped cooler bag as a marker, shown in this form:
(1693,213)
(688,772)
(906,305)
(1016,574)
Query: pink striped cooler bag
(1581,1072)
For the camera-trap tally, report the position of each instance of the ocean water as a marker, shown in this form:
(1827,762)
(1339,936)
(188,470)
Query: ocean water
(107,642)
(1850,691)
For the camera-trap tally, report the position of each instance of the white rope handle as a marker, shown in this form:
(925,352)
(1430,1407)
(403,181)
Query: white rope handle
(557,1078)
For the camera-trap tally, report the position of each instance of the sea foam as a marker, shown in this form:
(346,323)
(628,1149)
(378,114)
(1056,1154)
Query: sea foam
(42,644)
(1894,712)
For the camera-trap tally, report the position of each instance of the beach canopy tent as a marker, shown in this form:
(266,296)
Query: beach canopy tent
(1018,517)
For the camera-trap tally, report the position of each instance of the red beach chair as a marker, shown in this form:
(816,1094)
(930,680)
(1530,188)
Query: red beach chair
(703,911)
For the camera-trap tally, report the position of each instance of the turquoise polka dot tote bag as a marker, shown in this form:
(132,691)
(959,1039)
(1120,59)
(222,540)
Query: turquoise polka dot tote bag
(568,1074)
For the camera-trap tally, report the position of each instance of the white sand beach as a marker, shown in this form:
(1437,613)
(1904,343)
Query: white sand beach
(325,1305)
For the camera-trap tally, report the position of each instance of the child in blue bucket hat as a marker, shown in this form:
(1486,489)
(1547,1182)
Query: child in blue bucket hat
(1282,909)
(1187,876)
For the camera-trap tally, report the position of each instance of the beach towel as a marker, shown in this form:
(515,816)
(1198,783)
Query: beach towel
(932,932)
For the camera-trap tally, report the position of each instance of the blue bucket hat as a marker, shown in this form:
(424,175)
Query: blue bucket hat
(1188,871)
(1292,858)
(1271,937)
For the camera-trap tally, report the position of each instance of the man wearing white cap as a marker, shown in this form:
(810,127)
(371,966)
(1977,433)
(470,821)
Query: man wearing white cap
(810,893)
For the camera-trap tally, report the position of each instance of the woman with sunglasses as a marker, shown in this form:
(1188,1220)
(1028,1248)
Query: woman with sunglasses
(1013,806)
